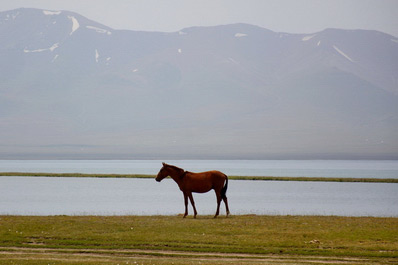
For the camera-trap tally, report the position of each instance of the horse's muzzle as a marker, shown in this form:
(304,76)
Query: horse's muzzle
(158,180)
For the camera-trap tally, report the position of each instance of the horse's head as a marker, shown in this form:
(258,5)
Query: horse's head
(164,172)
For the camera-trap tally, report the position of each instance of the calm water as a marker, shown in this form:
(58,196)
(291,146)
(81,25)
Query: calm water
(75,196)
(294,168)
(96,196)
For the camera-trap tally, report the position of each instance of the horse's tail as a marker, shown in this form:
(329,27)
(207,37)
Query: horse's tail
(224,189)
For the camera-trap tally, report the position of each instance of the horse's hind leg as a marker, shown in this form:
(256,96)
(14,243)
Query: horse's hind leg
(186,204)
(218,204)
(226,204)
(193,205)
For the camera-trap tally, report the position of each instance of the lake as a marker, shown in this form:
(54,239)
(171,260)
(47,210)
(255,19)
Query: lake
(99,196)
(76,196)
(284,168)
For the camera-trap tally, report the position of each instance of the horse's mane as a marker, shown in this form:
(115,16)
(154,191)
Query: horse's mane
(174,167)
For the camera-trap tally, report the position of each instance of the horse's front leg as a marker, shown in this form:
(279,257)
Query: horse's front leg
(193,204)
(186,204)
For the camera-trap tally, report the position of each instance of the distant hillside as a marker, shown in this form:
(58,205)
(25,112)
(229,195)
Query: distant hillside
(73,88)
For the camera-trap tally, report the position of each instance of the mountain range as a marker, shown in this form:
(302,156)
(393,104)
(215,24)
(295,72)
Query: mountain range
(73,88)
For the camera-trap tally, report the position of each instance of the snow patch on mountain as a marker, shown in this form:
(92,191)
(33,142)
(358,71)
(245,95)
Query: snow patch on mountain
(107,60)
(13,16)
(240,35)
(96,55)
(232,60)
(343,54)
(99,30)
(75,24)
(52,48)
(307,38)
(51,13)
(37,50)
(55,58)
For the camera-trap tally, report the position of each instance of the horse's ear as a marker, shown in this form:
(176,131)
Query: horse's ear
(164,164)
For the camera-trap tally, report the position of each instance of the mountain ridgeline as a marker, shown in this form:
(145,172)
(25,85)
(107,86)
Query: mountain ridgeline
(73,88)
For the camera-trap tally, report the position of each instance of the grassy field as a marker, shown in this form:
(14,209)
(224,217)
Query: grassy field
(263,178)
(174,240)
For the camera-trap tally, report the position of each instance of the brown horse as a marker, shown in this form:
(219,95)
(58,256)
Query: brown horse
(189,182)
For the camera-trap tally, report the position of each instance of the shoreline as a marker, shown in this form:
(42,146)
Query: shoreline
(144,176)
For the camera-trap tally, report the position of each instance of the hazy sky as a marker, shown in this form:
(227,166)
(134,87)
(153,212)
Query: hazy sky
(293,16)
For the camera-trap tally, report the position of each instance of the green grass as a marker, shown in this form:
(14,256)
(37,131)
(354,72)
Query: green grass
(261,178)
(294,235)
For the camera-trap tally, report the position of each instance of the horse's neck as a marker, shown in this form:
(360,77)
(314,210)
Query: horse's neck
(176,175)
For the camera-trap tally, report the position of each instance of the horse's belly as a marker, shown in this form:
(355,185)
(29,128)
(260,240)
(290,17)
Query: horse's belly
(201,188)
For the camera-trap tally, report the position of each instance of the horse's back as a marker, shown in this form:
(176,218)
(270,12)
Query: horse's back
(218,174)
(205,181)
(212,175)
